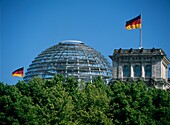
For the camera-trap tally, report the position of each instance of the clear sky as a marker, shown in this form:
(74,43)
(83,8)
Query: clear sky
(28,27)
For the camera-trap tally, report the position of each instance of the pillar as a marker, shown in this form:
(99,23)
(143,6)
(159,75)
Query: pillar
(143,71)
(131,71)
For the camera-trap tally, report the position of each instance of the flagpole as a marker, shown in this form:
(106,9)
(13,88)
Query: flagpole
(140,46)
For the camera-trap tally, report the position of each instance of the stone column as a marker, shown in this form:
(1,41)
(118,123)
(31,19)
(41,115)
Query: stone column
(131,71)
(167,73)
(115,70)
(120,76)
(143,71)
(153,71)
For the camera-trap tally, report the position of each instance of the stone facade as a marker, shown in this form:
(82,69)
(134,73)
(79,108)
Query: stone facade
(151,65)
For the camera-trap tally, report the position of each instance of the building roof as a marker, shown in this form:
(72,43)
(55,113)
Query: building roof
(158,52)
(142,51)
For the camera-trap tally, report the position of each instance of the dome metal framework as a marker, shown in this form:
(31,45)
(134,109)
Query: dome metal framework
(70,58)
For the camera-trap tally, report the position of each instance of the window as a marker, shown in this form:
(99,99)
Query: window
(148,71)
(126,71)
(137,71)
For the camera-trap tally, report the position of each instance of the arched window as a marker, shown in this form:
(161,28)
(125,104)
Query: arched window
(126,71)
(148,71)
(137,71)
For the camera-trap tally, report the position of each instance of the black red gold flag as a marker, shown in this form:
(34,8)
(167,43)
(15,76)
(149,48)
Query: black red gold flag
(19,72)
(134,23)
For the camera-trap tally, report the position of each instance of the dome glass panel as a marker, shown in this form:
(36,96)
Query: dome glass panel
(70,58)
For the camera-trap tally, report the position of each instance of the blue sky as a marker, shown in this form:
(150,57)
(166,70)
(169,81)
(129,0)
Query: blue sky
(28,27)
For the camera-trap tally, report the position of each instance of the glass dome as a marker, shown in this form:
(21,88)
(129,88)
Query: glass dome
(70,58)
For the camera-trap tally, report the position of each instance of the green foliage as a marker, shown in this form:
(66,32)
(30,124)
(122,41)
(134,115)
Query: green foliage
(66,101)
(93,104)
(133,103)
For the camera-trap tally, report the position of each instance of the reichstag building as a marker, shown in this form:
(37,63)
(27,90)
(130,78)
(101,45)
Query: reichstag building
(150,65)
(74,58)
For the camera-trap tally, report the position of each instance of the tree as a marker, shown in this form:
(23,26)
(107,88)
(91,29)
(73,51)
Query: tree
(52,100)
(15,107)
(130,103)
(61,101)
(93,104)
(161,103)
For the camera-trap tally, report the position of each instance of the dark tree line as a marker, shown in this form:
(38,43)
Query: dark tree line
(65,101)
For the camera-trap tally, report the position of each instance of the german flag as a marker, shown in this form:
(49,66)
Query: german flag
(19,72)
(134,23)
